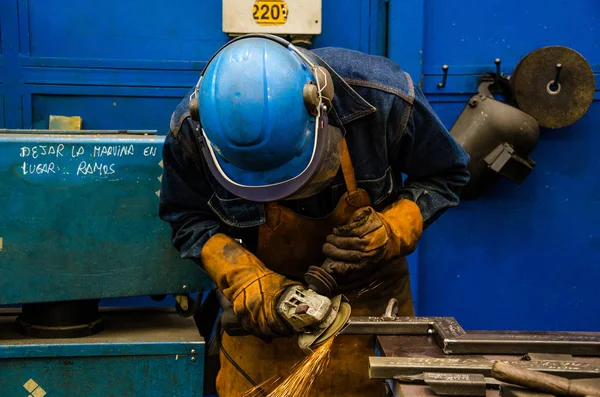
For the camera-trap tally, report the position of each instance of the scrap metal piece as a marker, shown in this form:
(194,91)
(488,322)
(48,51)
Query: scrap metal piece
(548,357)
(449,384)
(390,367)
(555,85)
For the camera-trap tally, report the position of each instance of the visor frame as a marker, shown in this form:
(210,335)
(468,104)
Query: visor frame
(280,190)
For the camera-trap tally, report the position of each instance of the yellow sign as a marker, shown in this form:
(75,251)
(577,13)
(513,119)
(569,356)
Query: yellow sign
(270,12)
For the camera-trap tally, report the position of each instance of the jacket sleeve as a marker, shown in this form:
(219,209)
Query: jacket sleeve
(434,164)
(185,193)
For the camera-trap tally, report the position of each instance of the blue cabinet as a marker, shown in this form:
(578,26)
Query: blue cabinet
(147,353)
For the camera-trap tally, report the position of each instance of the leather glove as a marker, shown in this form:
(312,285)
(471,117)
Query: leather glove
(252,289)
(371,237)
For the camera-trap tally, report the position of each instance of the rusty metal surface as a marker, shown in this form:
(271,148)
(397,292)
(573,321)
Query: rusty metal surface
(425,347)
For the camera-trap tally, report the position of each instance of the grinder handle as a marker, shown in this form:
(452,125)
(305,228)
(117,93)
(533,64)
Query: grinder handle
(231,324)
(229,321)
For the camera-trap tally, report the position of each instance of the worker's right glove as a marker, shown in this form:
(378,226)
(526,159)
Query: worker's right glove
(372,237)
(252,289)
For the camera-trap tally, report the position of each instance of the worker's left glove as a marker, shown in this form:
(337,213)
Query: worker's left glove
(371,237)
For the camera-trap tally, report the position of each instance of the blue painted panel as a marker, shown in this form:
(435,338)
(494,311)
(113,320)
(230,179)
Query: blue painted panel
(10,70)
(134,30)
(523,257)
(353,24)
(405,35)
(2,123)
(468,38)
(93,76)
(138,354)
(377,27)
(1,9)
(108,110)
(81,220)
(103,376)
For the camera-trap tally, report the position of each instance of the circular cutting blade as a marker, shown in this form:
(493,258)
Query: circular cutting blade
(340,321)
(554,106)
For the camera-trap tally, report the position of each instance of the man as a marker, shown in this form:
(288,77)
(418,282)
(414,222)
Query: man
(300,155)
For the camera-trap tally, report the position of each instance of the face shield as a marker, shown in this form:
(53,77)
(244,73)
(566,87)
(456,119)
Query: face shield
(328,170)
(320,170)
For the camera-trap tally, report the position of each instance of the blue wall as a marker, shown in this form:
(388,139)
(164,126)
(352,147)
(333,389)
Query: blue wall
(522,257)
(127,64)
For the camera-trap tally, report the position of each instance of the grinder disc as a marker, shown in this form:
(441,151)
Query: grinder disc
(554,106)
(340,322)
(335,322)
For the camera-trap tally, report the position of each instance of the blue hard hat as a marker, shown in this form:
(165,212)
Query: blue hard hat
(264,139)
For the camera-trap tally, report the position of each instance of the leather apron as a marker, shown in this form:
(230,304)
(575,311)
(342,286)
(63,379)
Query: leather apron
(288,244)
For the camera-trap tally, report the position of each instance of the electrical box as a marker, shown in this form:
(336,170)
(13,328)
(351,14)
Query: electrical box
(295,17)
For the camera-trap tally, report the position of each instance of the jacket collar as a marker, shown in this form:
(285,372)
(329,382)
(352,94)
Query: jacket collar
(347,104)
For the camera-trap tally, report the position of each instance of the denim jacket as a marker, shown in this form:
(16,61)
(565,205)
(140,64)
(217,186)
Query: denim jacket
(399,149)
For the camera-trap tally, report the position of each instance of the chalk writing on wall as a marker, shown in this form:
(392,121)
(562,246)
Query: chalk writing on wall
(95,160)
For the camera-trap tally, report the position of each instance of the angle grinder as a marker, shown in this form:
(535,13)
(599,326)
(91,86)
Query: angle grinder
(314,317)
(311,312)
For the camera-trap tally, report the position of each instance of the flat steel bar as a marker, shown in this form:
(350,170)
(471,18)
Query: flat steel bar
(388,326)
(390,367)
(448,327)
(574,343)
(453,339)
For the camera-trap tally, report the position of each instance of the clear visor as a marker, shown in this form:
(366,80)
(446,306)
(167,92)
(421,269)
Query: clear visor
(328,170)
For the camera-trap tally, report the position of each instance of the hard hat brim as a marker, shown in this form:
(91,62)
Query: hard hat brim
(317,148)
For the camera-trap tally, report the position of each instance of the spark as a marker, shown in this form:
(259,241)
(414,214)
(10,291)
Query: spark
(302,377)
(369,287)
